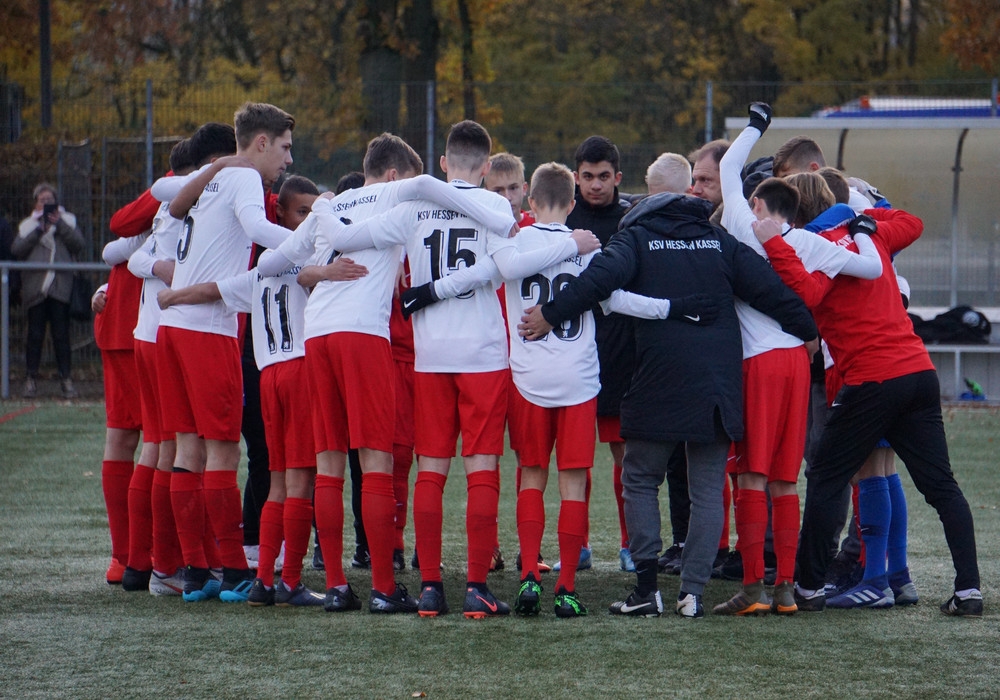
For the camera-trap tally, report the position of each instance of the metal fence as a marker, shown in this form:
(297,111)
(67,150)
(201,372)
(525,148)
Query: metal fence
(112,143)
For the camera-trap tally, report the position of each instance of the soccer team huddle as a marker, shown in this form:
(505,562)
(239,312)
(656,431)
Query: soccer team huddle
(678,327)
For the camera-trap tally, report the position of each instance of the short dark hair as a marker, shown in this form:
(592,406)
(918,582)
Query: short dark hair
(351,181)
(796,154)
(596,149)
(780,197)
(552,185)
(259,117)
(296,184)
(212,140)
(387,151)
(837,183)
(716,149)
(468,145)
(180,156)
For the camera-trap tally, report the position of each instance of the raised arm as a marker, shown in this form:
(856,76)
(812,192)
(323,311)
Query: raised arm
(737,217)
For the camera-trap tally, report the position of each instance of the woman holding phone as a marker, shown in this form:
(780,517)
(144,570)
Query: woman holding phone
(48,235)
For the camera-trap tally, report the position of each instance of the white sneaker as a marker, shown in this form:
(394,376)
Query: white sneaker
(163,585)
(252,553)
(690,606)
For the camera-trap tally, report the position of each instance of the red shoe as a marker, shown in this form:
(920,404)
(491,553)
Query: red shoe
(115,572)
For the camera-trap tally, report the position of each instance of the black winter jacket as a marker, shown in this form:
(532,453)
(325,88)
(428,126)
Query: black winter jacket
(614,333)
(684,373)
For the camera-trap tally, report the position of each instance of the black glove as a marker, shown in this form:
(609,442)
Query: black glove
(862,223)
(416,298)
(760,116)
(699,309)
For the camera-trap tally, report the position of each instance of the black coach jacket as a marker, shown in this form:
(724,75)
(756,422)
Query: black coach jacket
(668,249)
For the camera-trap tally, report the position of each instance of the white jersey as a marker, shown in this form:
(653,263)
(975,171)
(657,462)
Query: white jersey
(161,245)
(760,332)
(214,244)
(277,313)
(560,369)
(464,334)
(361,305)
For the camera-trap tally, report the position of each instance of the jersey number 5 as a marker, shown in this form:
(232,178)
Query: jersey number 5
(439,241)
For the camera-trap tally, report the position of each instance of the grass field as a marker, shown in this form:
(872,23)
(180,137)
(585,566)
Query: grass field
(65,632)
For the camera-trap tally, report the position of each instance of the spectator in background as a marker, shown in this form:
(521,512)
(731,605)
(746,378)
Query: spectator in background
(49,235)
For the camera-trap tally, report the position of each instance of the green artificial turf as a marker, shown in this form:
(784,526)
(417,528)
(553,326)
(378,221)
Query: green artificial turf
(65,632)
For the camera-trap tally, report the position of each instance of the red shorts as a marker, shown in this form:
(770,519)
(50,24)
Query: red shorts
(287,413)
(609,429)
(775,409)
(404,403)
(570,428)
(473,403)
(512,396)
(201,383)
(353,391)
(149,394)
(121,390)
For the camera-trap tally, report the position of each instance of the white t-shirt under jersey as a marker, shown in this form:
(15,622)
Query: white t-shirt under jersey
(277,313)
(214,244)
(560,369)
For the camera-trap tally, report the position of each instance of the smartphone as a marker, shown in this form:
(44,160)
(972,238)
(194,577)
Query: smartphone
(48,209)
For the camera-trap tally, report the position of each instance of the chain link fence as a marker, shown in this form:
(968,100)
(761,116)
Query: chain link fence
(97,150)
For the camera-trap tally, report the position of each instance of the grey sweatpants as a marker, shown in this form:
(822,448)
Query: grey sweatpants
(643,470)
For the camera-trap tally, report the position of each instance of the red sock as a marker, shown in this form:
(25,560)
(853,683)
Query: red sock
(329,512)
(530,528)
(115,478)
(298,527)
(856,523)
(751,526)
(378,510)
(140,518)
(210,544)
(222,496)
(620,499)
(572,528)
(785,525)
(727,501)
(496,544)
(428,496)
(271,534)
(402,460)
(481,523)
(188,501)
(167,557)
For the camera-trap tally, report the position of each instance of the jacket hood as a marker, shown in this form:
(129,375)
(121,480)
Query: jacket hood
(677,208)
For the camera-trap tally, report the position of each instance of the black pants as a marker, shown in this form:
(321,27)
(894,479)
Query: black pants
(258,464)
(677,492)
(55,314)
(907,412)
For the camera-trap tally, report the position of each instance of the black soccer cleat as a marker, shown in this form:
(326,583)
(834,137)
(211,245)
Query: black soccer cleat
(398,602)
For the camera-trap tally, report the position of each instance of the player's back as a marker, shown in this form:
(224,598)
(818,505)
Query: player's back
(212,246)
(560,369)
(464,333)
